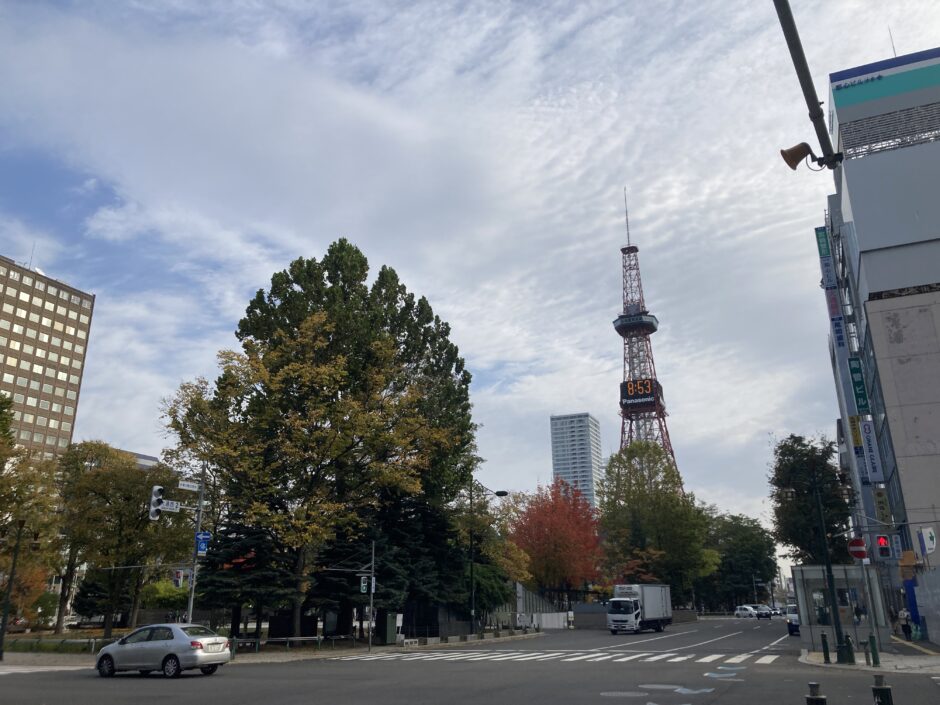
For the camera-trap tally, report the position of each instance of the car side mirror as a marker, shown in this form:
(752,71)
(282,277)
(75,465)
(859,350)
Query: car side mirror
(123,641)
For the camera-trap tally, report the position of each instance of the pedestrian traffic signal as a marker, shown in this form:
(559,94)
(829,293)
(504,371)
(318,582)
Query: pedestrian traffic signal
(884,546)
(364,584)
(156,499)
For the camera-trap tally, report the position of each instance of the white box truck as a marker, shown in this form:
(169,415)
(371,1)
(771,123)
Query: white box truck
(634,608)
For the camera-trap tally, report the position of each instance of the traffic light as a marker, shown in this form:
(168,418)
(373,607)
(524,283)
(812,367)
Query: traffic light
(364,584)
(156,499)
(884,546)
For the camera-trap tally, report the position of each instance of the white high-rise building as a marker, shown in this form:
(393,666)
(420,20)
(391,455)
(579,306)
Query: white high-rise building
(576,453)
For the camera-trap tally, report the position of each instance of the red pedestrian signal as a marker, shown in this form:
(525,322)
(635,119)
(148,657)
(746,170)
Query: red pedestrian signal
(884,546)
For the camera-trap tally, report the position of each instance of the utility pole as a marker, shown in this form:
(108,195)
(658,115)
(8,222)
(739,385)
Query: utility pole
(371,596)
(195,563)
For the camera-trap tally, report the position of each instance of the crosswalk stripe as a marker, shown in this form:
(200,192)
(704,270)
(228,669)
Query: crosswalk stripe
(602,658)
(767,659)
(681,658)
(630,658)
(579,658)
(514,656)
(739,658)
(658,657)
(709,659)
(549,657)
(498,654)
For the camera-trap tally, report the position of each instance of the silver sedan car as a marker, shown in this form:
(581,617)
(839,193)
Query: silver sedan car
(171,648)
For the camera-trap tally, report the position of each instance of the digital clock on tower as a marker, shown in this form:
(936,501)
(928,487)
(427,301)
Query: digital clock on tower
(639,394)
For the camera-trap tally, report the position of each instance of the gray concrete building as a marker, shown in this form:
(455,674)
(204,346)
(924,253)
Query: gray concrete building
(576,453)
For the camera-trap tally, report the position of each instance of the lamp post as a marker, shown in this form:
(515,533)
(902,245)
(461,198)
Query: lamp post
(473,584)
(10,578)
(844,653)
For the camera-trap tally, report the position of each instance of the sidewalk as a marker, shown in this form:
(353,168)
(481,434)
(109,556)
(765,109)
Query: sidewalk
(278,655)
(925,660)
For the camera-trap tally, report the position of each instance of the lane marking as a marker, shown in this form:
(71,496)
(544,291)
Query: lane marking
(633,657)
(579,658)
(709,641)
(709,659)
(644,641)
(739,658)
(677,659)
(602,658)
(659,657)
(767,659)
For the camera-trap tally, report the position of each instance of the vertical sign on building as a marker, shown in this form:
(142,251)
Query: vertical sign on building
(855,426)
(858,385)
(870,448)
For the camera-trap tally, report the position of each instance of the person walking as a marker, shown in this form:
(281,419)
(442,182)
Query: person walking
(904,616)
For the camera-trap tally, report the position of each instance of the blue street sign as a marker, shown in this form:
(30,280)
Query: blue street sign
(202,543)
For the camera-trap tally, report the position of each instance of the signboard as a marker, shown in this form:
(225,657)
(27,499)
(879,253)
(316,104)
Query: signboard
(858,386)
(882,505)
(828,272)
(822,242)
(170,505)
(639,394)
(202,543)
(870,448)
(928,540)
(188,485)
(896,548)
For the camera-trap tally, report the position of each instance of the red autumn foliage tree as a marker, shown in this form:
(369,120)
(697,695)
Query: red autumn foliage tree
(558,530)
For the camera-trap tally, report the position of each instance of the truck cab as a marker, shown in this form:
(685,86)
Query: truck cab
(623,615)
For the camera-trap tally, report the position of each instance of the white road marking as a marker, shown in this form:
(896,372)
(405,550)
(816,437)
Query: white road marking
(602,658)
(659,657)
(579,658)
(681,658)
(739,658)
(709,659)
(630,658)
(766,659)
(644,641)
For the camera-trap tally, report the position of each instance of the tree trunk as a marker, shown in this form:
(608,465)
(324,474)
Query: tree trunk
(299,592)
(362,614)
(68,578)
(108,623)
(344,621)
(259,612)
(235,629)
(135,601)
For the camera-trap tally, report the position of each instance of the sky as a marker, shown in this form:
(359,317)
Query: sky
(169,157)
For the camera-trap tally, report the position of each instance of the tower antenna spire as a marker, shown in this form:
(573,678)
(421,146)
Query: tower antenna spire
(626,214)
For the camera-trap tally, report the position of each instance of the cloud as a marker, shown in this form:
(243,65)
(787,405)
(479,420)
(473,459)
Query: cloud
(481,149)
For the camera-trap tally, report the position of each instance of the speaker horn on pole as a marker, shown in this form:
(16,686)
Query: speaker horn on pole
(797,154)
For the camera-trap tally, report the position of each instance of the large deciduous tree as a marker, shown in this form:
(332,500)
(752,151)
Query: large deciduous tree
(804,479)
(557,529)
(343,402)
(652,529)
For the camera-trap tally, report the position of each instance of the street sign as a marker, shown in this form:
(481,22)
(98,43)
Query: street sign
(170,505)
(202,543)
(857,548)
(188,485)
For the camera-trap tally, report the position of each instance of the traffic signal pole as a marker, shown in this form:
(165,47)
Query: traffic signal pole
(195,563)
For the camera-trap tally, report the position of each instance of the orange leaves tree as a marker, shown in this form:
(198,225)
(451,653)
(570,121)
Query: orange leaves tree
(557,528)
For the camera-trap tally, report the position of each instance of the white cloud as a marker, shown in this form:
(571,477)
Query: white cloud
(480,149)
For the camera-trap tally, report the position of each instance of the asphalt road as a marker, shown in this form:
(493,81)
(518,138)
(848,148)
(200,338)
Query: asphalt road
(726,661)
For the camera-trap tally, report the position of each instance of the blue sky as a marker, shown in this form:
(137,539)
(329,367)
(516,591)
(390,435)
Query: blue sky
(170,156)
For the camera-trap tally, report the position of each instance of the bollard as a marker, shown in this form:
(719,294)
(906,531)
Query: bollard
(814,698)
(867,657)
(825,647)
(873,645)
(881,693)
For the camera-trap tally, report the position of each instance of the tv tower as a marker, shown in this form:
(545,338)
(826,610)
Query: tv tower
(641,396)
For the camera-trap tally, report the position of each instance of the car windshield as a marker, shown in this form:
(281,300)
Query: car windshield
(198,631)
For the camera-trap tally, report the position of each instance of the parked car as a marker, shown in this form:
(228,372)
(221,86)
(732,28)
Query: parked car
(762,611)
(745,611)
(17,624)
(793,620)
(171,648)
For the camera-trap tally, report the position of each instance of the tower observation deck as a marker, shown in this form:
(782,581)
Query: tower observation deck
(642,406)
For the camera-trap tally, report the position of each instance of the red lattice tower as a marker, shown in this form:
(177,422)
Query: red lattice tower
(642,407)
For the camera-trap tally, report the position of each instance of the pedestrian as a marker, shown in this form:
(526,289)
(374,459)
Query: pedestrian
(894,619)
(905,618)
(858,614)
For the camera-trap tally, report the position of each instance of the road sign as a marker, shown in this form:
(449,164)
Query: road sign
(857,548)
(170,505)
(188,485)
(202,543)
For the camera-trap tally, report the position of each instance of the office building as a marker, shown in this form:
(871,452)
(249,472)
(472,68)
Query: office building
(880,257)
(576,453)
(44,326)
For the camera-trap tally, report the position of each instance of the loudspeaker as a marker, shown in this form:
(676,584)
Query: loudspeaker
(795,155)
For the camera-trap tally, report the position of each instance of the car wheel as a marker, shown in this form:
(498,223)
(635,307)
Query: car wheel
(209,670)
(106,667)
(171,667)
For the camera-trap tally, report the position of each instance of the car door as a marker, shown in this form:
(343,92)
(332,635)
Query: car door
(130,654)
(156,648)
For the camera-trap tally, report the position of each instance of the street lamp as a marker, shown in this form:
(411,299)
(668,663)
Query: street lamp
(20,524)
(844,652)
(473,584)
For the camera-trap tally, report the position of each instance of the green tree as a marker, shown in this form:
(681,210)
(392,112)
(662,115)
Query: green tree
(107,515)
(651,527)
(803,477)
(343,400)
(746,553)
